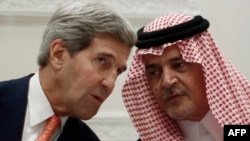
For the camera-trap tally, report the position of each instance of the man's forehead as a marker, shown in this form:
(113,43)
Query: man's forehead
(169,53)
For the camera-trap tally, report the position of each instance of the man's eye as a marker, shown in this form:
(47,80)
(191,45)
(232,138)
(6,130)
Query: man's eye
(152,74)
(102,60)
(179,66)
(104,63)
(119,71)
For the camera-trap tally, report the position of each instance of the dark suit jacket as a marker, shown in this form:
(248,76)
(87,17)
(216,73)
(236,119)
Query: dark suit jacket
(13,104)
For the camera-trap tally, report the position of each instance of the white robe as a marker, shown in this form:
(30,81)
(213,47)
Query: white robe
(207,129)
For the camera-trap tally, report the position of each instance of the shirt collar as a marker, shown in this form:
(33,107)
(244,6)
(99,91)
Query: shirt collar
(39,106)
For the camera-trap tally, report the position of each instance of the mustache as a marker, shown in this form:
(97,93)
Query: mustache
(171,92)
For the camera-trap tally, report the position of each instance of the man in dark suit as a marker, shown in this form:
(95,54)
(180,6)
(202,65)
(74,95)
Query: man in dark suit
(84,48)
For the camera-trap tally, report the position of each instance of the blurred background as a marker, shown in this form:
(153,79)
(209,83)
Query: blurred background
(22,23)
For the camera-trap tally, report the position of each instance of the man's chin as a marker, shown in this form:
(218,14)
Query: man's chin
(88,116)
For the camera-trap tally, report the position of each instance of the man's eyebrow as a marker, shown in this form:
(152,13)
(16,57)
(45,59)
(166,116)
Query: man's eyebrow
(174,59)
(150,66)
(109,55)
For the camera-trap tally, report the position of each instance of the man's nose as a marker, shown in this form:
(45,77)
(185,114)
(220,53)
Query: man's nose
(169,79)
(109,81)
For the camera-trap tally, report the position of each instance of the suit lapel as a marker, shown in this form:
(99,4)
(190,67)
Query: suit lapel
(13,103)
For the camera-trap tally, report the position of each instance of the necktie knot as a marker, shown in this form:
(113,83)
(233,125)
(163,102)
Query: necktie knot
(52,123)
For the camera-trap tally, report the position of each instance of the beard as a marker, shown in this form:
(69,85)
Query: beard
(180,108)
(181,112)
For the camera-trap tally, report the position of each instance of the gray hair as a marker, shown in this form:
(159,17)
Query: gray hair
(78,23)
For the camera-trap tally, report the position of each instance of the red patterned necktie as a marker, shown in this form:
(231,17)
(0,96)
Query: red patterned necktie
(52,123)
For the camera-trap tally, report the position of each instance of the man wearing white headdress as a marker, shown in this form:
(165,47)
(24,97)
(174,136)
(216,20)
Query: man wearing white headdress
(180,87)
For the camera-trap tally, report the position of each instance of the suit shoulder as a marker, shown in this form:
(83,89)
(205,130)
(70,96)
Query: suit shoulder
(14,82)
(76,129)
(13,88)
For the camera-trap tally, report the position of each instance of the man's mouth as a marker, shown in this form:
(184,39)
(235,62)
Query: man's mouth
(98,98)
(174,97)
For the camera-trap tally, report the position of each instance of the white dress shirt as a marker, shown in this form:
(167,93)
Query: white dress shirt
(37,112)
(207,129)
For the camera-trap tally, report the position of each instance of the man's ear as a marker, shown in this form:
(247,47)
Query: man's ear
(57,51)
